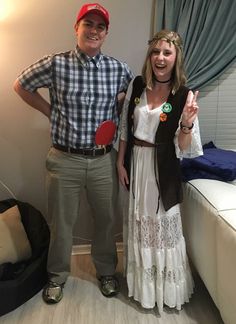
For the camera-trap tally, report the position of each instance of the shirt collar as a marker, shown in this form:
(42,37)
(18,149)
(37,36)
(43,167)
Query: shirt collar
(84,59)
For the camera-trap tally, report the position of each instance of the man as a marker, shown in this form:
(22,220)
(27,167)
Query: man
(84,86)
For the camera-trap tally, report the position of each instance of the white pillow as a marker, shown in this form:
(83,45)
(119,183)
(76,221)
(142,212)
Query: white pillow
(14,243)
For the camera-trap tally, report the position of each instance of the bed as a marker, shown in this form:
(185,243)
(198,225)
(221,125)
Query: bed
(209,225)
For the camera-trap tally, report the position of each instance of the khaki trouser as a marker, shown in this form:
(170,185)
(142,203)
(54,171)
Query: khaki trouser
(68,175)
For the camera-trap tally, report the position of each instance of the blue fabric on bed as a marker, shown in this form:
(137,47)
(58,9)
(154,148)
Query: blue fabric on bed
(215,163)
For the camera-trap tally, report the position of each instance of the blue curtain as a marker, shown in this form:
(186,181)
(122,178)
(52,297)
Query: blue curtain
(208,30)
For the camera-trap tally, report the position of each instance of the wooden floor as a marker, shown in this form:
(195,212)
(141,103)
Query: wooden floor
(84,304)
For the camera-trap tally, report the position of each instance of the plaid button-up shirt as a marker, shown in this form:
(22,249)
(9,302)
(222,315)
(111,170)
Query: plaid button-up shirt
(83,93)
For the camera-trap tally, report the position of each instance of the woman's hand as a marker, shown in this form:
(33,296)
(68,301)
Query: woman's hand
(190,110)
(122,173)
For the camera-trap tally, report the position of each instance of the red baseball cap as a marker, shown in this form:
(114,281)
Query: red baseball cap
(96,8)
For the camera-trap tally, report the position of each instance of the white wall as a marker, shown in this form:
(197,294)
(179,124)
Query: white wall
(30,30)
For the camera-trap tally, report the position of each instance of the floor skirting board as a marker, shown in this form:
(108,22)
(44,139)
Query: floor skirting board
(86,248)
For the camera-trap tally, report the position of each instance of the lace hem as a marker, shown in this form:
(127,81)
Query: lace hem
(165,279)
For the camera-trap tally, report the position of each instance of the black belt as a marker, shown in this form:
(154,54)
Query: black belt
(90,152)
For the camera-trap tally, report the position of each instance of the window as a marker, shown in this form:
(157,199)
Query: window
(217,114)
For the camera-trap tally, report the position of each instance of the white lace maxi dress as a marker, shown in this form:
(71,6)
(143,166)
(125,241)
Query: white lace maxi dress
(157,267)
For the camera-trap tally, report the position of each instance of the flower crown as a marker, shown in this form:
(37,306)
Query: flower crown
(167,38)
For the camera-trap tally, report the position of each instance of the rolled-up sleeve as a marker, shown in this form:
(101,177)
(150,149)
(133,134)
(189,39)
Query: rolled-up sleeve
(37,75)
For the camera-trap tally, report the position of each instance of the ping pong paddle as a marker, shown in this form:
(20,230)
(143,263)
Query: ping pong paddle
(105,133)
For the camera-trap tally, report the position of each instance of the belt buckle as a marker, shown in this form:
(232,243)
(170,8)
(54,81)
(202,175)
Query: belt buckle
(94,152)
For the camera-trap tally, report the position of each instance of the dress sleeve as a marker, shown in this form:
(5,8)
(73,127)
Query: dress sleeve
(195,148)
(123,126)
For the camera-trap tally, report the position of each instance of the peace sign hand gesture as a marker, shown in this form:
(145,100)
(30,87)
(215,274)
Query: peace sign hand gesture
(190,110)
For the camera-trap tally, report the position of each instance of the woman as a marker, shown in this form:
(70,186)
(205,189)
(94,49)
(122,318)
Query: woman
(158,127)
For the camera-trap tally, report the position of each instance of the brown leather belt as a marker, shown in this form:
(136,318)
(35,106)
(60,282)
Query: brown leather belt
(88,152)
(143,143)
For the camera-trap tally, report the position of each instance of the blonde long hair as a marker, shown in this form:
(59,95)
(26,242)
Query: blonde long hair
(178,74)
